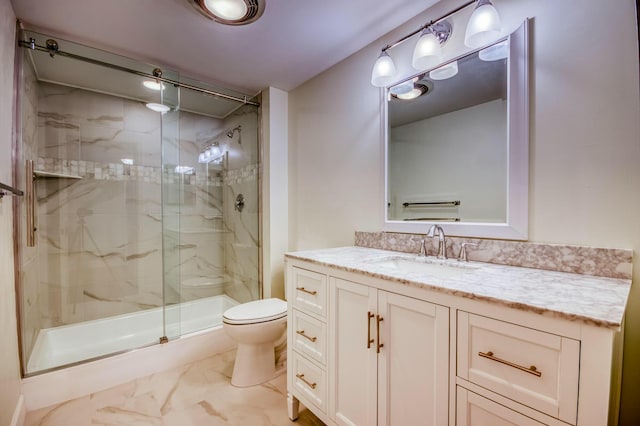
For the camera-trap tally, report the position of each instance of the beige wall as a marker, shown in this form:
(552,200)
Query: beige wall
(584,143)
(10,385)
(275,200)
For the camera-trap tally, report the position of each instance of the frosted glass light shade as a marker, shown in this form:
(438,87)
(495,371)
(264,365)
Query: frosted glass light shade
(444,72)
(404,87)
(384,71)
(153,85)
(483,26)
(231,10)
(157,107)
(428,51)
(496,52)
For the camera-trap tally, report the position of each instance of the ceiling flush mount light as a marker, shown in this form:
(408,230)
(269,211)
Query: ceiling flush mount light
(482,29)
(232,12)
(411,89)
(445,71)
(158,107)
(428,50)
(484,25)
(384,70)
(417,91)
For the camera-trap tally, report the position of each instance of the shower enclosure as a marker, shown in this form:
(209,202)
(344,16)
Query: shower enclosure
(143,190)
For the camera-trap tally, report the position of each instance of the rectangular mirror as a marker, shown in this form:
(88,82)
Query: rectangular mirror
(457,140)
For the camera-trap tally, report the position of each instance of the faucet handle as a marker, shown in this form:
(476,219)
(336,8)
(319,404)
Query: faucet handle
(462,256)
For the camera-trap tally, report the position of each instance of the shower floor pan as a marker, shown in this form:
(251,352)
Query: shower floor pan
(69,344)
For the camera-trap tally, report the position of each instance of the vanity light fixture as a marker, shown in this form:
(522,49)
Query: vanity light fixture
(496,52)
(428,50)
(484,25)
(158,107)
(231,12)
(444,72)
(402,88)
(483,28)
(211,154)
(184,170)
(153,85)
(384,70)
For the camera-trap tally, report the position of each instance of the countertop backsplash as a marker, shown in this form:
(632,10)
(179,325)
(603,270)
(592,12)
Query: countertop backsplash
(601,262)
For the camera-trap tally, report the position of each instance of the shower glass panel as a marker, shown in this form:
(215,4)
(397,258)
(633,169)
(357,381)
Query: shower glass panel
(218,238)
(138,238)
(172,198)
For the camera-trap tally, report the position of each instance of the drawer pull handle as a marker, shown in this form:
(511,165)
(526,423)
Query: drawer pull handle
(531,370)
(304,290)
(369,339)
(306,382)
(379,319)
(301,333)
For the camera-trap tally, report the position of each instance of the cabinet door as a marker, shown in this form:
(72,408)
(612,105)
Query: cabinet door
(352,365)
(413,363)
(474,410)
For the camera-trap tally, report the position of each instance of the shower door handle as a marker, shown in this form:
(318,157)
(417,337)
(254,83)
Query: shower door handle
(238,205)
(30,196)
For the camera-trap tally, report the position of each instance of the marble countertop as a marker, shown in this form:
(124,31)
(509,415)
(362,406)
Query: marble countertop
(593,300)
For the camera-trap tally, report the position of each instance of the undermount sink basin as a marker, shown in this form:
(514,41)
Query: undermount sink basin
(432,267)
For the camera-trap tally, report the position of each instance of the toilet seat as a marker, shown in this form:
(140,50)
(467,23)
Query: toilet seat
(256,312)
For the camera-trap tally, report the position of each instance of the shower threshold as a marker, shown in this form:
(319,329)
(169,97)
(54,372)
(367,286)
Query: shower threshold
(73,343)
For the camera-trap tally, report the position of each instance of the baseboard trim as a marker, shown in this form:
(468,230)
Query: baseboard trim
(19,413)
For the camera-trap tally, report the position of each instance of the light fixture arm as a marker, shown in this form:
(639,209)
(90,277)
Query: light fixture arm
(428,24)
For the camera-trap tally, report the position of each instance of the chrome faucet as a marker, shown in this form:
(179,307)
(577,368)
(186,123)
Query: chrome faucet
(442,254)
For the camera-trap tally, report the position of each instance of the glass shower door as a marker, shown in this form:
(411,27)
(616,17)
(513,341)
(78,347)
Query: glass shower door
(92,284)
(172,200)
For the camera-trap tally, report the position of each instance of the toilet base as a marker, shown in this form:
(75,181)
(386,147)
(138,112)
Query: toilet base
(255,364)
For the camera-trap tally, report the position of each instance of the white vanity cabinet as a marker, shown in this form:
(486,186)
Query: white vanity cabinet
(389,357)
(366,350)
(376,358)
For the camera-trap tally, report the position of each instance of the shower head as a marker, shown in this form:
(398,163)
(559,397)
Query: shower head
(232,131)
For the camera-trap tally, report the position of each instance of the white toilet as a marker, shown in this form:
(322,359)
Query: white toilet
(256,327)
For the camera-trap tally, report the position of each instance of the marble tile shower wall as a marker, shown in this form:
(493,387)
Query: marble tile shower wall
(100,237)
(242,248)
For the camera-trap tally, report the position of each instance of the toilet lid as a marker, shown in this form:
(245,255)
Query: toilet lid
(256,311)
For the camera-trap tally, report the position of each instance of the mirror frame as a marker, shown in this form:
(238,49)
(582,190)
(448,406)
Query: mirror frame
(516,226)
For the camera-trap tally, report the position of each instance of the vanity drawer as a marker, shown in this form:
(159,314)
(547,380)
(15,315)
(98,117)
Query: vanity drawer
(309,381)
(475,410)
(537,369)
(310,336)
(309,292)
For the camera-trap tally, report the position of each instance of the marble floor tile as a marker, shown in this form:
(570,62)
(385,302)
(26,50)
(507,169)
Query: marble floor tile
(196,394)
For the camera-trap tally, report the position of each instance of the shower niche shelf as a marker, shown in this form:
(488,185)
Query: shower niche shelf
(54,175)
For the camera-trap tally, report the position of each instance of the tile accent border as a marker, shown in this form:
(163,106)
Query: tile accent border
(123,172)
(600,262)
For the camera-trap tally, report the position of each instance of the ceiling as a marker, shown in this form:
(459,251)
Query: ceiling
(292,42)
